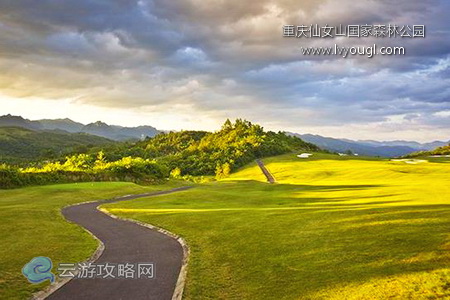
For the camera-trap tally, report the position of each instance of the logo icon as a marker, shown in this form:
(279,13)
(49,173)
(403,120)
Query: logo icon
(38,270)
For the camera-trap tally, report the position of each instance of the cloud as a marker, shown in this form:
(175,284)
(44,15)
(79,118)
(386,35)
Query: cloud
(228,59)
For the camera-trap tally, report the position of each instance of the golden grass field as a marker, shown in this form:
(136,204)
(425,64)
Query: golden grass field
(330,228)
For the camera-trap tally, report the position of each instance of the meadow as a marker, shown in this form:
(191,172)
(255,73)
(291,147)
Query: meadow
(32,225)
(330,228)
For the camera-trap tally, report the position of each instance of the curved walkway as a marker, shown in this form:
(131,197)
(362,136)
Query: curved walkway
(125,242)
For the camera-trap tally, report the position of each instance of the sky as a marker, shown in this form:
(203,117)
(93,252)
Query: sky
(191,64)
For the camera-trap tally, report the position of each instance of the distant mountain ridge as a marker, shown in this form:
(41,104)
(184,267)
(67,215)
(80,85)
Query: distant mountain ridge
(62,124)
(369,147)
(113,132)
(411,144)
(18,121)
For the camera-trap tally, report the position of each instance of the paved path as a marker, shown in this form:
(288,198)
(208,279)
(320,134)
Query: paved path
(125,242)
(266,172)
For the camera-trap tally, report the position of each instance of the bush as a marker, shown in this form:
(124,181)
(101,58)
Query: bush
(83,167)
(9,177)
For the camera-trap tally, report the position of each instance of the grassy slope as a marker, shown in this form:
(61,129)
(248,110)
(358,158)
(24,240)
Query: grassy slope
(31,225)
(332,227)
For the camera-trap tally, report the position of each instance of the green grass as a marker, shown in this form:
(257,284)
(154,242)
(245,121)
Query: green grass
(31,225)
(331,228)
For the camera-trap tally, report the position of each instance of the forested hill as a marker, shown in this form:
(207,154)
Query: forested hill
(201,153)
(185,153)
(444,150)
(21,145)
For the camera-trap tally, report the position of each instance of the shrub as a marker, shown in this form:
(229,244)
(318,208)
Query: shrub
(83,167)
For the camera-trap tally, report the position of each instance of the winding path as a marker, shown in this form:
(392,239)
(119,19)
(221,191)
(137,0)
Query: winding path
(265,171)
(126,242)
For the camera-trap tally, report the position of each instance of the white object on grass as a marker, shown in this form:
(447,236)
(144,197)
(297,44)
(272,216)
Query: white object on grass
(411,161)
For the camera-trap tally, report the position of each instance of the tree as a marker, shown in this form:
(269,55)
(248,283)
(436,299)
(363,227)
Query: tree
(175,173)
(223,170)
(227,125)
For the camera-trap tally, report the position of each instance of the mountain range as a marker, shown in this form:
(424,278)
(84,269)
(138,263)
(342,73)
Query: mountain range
(411,144)
(113,132)
(369,147)
(119,133)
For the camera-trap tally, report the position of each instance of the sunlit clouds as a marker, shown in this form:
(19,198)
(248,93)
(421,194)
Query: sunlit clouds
(190,64)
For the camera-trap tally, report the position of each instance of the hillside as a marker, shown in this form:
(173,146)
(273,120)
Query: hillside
(208,153)
(21,144)
(175,154)
(363,148)
(236,144)
(444,150)
(120,133)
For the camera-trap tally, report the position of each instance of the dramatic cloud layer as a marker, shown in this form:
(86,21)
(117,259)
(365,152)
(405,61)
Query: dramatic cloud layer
(177,62)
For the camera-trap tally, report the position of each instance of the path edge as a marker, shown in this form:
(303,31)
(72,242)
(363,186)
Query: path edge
(179,287)
(60,282)
(269,176)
